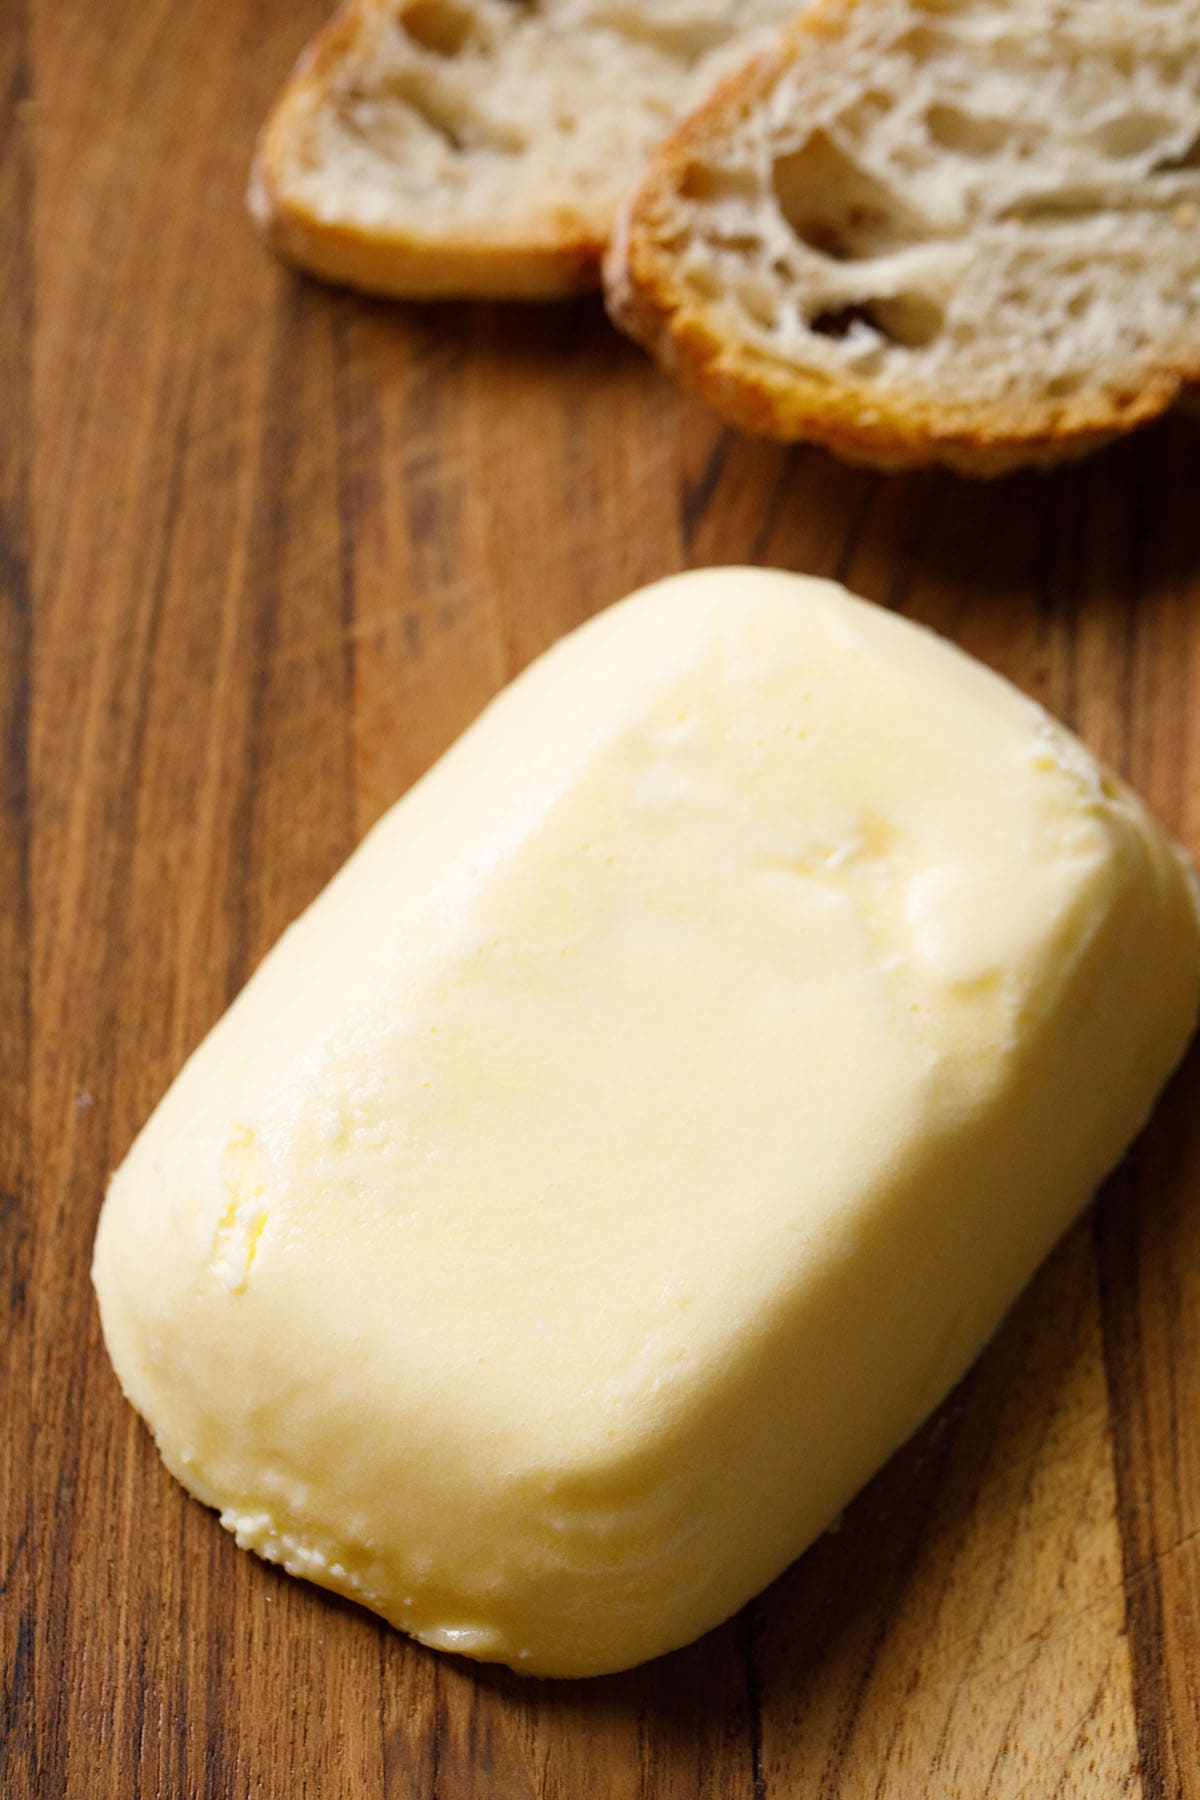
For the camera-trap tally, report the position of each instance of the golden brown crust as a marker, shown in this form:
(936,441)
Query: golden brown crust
(769,397)
(400,265)
(410,268)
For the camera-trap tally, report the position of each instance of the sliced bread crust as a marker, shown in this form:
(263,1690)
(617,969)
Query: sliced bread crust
(446,148)
(802,258)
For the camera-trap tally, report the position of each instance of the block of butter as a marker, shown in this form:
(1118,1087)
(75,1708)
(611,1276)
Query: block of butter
(649,1125)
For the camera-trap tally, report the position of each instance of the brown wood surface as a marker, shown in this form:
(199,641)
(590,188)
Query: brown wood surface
(264,550)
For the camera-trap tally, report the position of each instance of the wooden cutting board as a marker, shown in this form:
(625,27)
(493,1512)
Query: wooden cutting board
(265,550)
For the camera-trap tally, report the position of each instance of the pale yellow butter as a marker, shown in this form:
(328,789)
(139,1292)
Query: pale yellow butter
(648,1126)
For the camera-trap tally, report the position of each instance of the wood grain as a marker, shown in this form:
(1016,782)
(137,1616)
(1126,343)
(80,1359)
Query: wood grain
(264,550)
(18,1750)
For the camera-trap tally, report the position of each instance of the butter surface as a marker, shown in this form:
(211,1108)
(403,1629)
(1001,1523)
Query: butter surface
(648,1126)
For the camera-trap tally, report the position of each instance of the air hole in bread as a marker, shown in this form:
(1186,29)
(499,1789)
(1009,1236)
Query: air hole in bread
(969,134)
(760,302)
(701,181)
(1190,159)
(1131,133)
(1061,387)
(410,86)
(437,25)
(910,320)
(838,322)
(836,207)
(1057,205)
(738,243)
(925,43)
(866,112)
(463,128)
(704,282)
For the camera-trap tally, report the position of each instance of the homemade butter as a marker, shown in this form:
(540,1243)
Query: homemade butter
(649,1124)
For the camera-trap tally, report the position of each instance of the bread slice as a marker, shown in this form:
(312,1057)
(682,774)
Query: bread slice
(454,147)
(964,231)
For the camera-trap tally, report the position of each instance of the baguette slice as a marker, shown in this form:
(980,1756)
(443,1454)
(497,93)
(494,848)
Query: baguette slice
(481,147)
(962,231)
